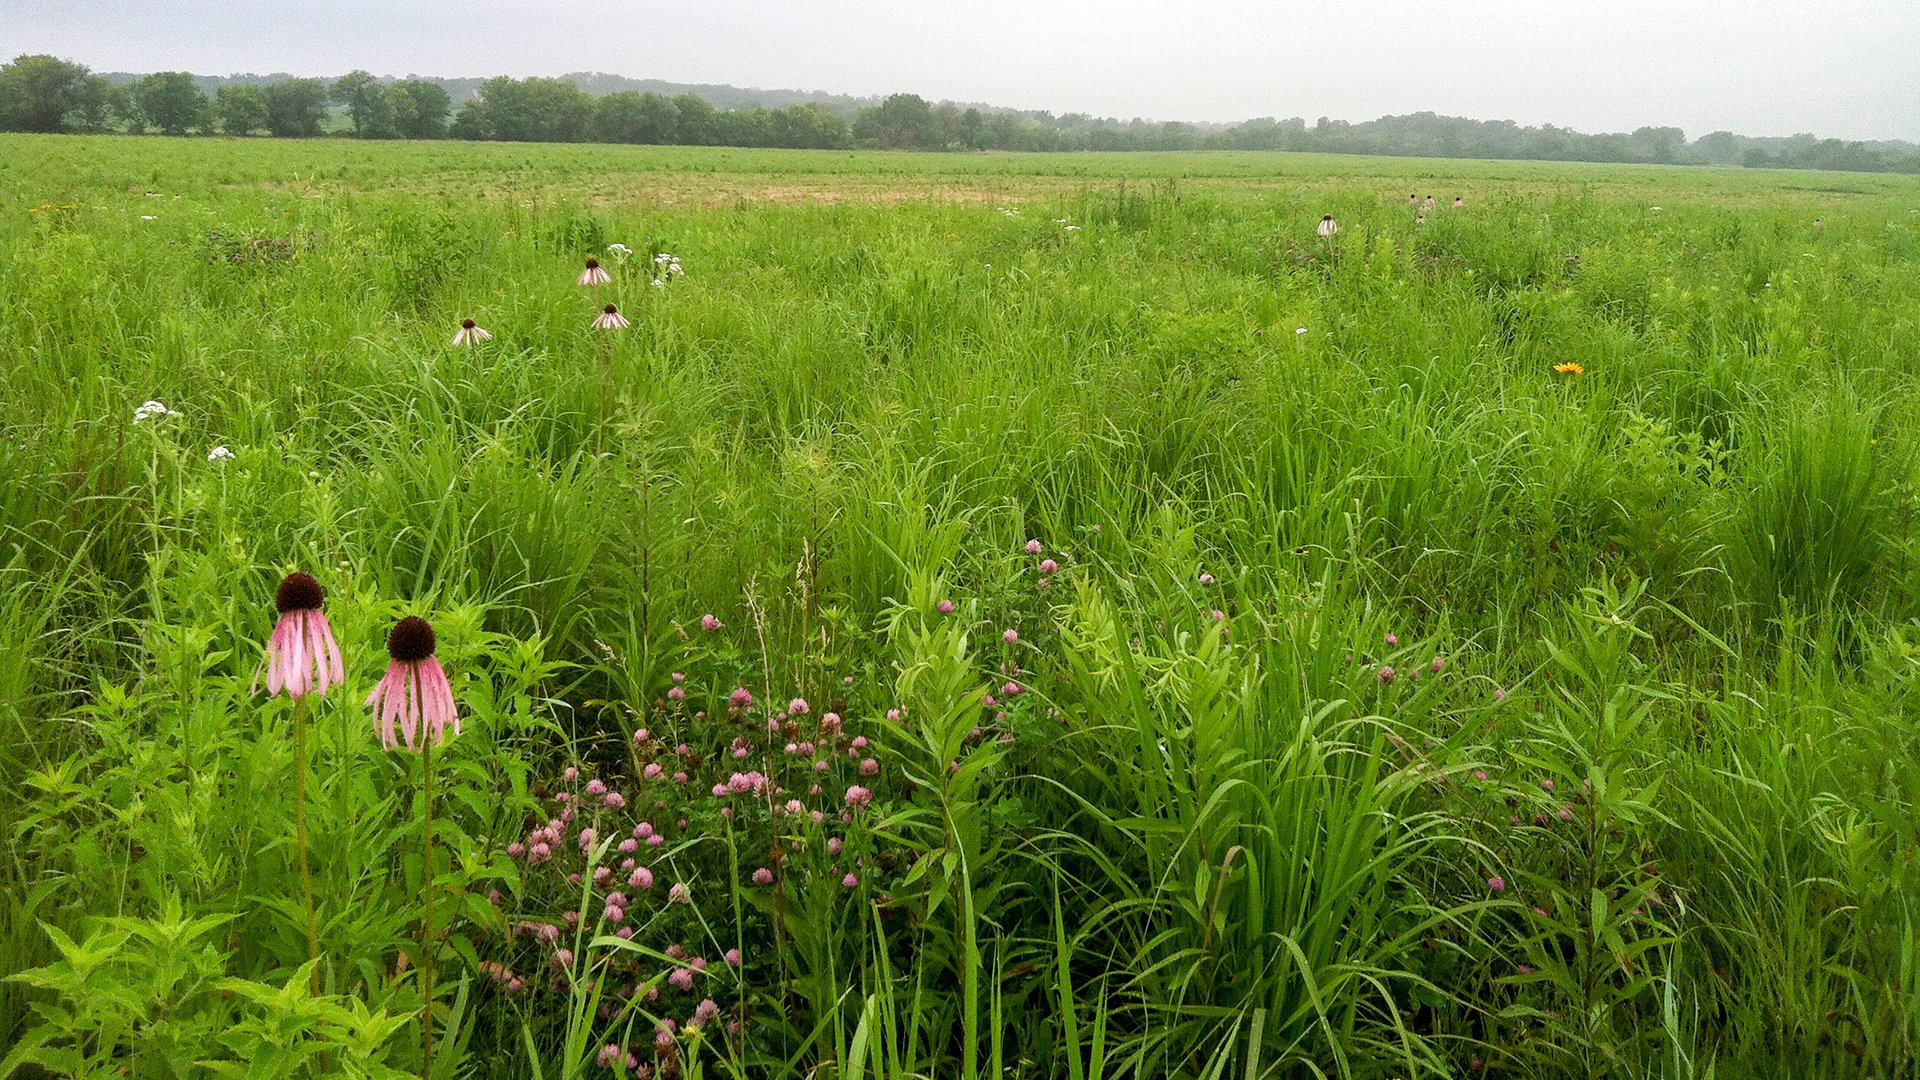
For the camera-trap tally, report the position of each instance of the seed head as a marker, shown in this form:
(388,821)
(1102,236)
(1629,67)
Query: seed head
(299,592)
(412,639)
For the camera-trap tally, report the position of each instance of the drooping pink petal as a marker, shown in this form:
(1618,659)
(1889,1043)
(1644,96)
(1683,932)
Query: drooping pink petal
(336,671)
(297,658)
(276,657)
(437,699)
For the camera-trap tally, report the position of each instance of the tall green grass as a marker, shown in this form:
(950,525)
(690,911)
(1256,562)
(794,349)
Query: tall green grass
(1216,841)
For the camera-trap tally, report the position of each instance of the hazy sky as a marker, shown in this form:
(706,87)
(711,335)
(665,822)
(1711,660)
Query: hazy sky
(1839,68)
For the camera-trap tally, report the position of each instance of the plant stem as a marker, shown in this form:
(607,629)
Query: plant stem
(300,834)
(426,924)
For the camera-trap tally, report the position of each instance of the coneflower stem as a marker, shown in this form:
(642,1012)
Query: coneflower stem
(300,833)
(606,390)
(426,925)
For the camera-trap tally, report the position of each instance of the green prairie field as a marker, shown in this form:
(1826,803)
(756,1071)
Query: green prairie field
(1028,616)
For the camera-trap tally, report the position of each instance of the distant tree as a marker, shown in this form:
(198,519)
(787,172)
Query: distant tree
(38,91)
(973,130)
(743,127)
(171,101)
(366,102)
(660,119)
(296,108)
(471,122)
(100,104)
(1661,144)
(418,109)
(694,121)
(528,110)
(809,126)
(1720,147)
(621,117)
(901,122)
(241,108)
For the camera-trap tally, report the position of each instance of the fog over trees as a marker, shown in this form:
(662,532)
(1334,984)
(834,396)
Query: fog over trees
(48,94)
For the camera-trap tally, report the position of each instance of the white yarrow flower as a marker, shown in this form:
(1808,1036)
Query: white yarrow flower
(219,453)
(151,410)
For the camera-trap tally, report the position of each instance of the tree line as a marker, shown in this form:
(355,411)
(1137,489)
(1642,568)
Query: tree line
(47,94)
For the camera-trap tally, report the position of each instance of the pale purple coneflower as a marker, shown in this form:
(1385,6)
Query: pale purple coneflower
(470,334)
(302,656)
(610,318)
(1328,226)
(415,691)
(1458,202)
(594,274)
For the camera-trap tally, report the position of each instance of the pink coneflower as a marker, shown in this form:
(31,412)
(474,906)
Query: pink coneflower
(1429,200)
(415,690)
(1458,202)
(610,318)
(1328,226)
(595,274)
(301,653)
(469,334)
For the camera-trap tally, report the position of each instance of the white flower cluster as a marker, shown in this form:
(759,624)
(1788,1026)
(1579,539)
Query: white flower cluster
(1009,211)
(666,266)
(620,252)
(151,410)
(219,453)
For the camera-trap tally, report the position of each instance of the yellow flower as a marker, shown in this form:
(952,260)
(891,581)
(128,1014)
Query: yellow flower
(1569,369)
